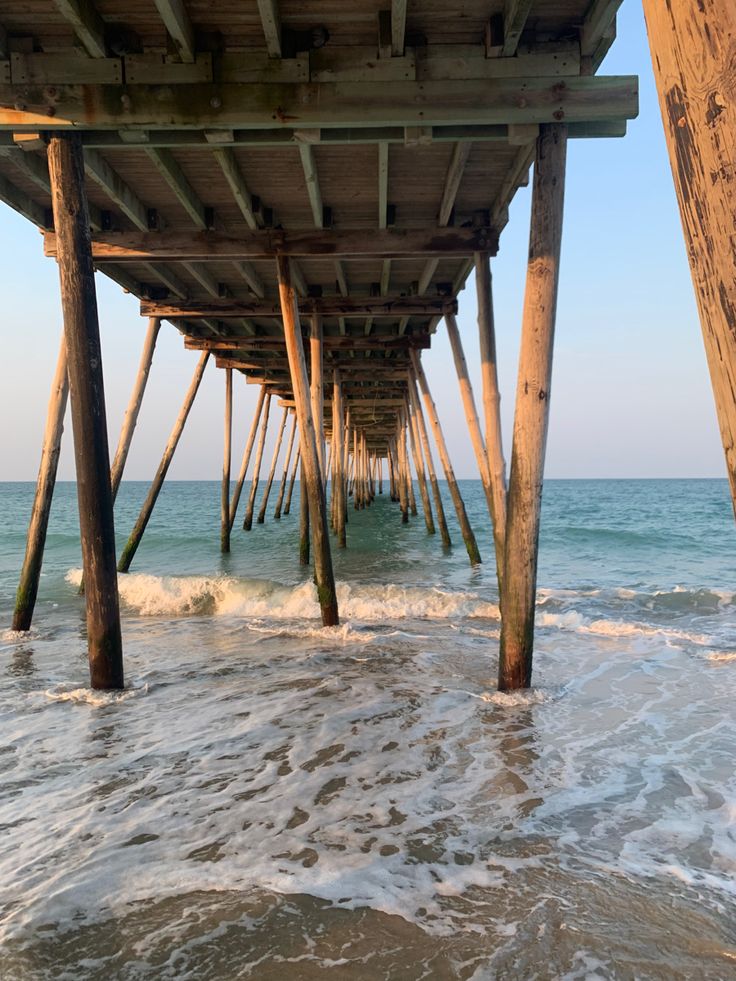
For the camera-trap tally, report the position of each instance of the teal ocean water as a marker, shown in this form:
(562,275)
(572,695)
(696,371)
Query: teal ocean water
(269,799)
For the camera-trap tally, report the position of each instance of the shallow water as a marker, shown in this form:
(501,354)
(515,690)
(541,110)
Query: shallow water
(269,799)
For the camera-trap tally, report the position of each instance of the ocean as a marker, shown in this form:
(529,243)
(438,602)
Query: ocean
(272,800)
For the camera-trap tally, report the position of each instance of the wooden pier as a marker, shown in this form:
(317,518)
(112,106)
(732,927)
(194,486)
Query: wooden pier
(303,191)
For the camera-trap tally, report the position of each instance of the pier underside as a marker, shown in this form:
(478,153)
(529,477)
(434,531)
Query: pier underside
(262,173)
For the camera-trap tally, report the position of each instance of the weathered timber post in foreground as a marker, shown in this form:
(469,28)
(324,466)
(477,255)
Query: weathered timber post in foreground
(290,492)
(303,518)
(491,406)
(424,439)
(285,475)
(226,461)
(246,456)
(248,519)
(532,411)
(136,534)
(467,532)
(84,366)
(693,45)
(316,387)
(25,600)
(313,486)
(269,483)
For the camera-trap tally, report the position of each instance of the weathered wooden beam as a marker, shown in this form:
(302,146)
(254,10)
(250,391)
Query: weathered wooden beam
(267,243)
(269,13)
(341,279)
(235,500)
(692,46)
(272,472)
(226,462)
(351,104)
(87,23)
(207,281)
(176,20)
(285,475)
(19,201)
(166,276)
(598,22)
(174,176)
(398,26)
(251,344)
(531,416)
(81,330)
(515,16)
(329,306)
(311,178)
(233,175)
(96,167)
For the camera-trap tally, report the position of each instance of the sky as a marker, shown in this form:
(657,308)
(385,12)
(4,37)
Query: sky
(630,392)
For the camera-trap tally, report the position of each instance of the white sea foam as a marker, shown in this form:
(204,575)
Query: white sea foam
(150,595)
(90,696)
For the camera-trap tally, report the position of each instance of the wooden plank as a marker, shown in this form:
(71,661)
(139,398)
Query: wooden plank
(252,344)
(312,181)
(167,277)
(598,21)
(463,61)
(206,280)
(351,104)
(175,178)
(40,68)
(158,69)
(87,23)
(233,175)
(341,279)
(328,306)
(258,66)
(358,63)
(254,281)
(266,243)
(24,205)
(382,185)
(454,176)
(269,13)
(515,16)
(176,21)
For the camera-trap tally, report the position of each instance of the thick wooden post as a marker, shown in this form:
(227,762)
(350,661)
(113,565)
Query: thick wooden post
(419,467)
(693,45)
(532,410)
(357,502)
(84,366)
(226,461)
(407,466)
(134,541)
(314,488)
(248,519)
(316,387)
(424,439)
(269,483)
(290,492)
(25,599)
(380,475)
(491,406)
(285,475)
(235,500)
(467,532)
(338,436)
(130,418)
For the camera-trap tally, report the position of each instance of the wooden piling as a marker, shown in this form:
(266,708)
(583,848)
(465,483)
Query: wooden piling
(303,519)
(314,488)
(130,418)
(491,406)
(226,461)
(338,435)
(290,492)
(271,473)
(357,490)
(424,439)
(380,475)
(692,45)
(401,476)
(316,387)
(407,466)
(285,475)
(235,500)
(532,410)
(25,599)
(84,366)
(248,519)
(467,532)
(419,467)
(134,541)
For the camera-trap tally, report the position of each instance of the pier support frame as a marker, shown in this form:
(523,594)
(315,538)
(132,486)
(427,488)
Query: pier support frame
(248,519)
(416,406)
(339,490)
(136,535)
(311,472)
(692,45)
(272,472)
(25,600)
(84,366)
(532,410)
(285,474)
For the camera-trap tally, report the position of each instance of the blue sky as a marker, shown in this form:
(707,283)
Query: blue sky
(630,393)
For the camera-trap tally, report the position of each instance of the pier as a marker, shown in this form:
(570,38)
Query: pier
(304,193)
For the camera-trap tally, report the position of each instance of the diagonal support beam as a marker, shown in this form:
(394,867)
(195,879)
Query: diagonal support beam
(311,177)
(269,11)
(176,20)
(174,176)
(87,23)
(233,175)
(96,167)
(515,16)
